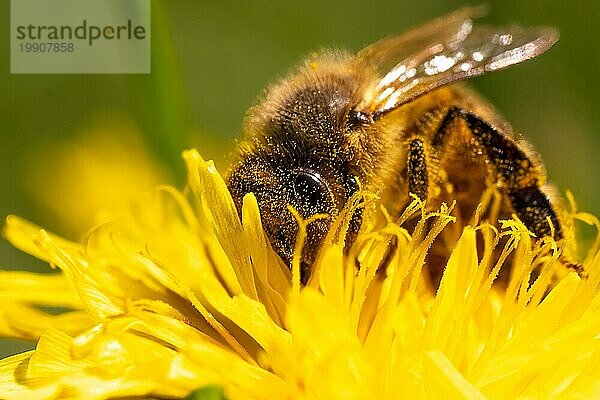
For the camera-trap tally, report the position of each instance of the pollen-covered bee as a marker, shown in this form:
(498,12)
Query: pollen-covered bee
(393,118)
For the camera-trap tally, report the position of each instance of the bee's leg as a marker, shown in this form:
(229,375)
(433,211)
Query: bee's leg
(418,178)
(518,177)
(418,181)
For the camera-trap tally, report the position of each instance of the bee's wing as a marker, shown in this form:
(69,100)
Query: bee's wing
(387,52)
(444,51)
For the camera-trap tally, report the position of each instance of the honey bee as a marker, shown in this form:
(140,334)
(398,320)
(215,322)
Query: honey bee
(393,118)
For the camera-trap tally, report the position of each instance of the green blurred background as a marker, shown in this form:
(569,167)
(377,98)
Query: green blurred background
(212,59)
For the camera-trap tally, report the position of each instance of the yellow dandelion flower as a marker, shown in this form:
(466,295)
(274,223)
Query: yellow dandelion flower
(94,176)
(185,294)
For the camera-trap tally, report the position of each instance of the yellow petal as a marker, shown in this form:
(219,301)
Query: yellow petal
(26,322)
(442,380)
(274,278)
(52,290)
(22,234)
(12,380)
(222,215)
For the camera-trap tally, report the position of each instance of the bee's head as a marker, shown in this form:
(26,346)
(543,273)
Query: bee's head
(278,183)
(298,152)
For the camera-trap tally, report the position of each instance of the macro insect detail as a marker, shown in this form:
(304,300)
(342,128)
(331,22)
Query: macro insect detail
(395,118)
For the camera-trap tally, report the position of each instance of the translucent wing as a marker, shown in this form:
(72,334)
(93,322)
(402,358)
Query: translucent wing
(444,51)
(387,52)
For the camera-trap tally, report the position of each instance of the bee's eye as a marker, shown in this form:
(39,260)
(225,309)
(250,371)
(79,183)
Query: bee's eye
(312,194)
